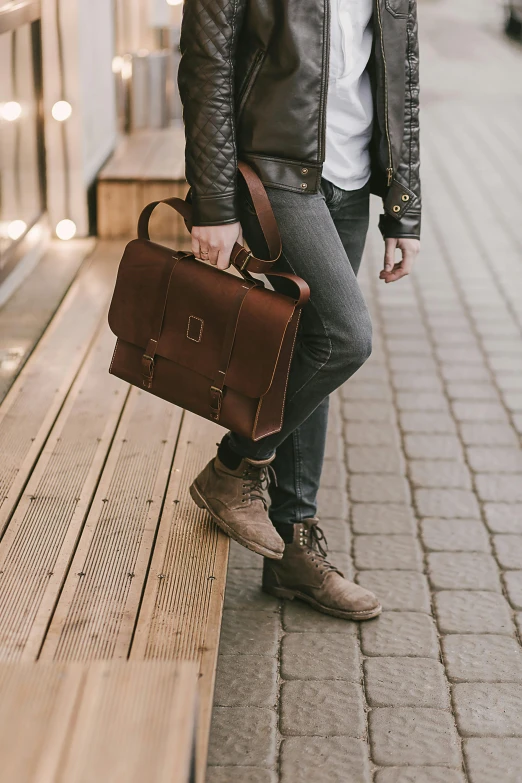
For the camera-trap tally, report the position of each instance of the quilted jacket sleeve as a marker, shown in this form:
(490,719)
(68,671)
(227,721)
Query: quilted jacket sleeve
(408,170)
(206,84)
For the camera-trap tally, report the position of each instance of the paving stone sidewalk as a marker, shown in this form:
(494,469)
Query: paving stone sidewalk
(421,498)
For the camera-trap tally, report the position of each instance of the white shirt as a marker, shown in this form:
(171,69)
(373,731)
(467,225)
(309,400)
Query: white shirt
(349,108)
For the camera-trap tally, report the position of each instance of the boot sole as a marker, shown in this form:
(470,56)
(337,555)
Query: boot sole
(283,592)
(259,549)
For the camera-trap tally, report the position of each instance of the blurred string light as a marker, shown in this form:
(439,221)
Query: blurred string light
(174,2)
(11,111)
(126,68)
(66,229)
(117,64)
(16,229)
(61,111)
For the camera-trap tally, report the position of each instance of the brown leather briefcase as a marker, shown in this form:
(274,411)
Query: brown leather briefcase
(209,341)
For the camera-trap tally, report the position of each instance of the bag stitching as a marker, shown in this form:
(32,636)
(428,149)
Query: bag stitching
(114,355)
(202,322)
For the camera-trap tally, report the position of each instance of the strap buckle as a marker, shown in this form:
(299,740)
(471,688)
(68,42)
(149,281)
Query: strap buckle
(216,400)
(147,366)
(246,261)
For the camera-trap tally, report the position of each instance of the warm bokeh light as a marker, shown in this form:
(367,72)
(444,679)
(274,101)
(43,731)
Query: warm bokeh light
(61,111)
(117,64)
(11,111)
(174,2)
(16,228)
(65,229)
(126,67)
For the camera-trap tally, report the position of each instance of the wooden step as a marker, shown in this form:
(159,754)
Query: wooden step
(183,602)
(36,550)
(35,399)
(109,721)
(99,602)
(147,166)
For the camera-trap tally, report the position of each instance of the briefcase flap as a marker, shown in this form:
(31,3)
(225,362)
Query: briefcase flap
(198,308)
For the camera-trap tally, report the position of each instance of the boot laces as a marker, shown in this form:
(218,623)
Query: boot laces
(256,481)
(318,549)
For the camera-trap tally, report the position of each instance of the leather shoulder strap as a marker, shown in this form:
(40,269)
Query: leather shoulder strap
(265,214)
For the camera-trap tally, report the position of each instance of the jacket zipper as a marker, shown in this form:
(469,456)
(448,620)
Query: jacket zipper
(389,170)
(324,85)
(249,81)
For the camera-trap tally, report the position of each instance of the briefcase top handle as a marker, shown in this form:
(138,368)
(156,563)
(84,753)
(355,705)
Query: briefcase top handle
(244,260)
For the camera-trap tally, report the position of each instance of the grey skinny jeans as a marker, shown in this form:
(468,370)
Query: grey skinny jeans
(323,240)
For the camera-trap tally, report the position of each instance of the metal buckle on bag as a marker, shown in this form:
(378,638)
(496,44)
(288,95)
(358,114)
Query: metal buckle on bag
(147,364)
(245,262)
(217,396)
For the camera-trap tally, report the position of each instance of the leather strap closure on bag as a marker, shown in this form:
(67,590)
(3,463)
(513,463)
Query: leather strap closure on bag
(241,258)
(218,384)
(148,358)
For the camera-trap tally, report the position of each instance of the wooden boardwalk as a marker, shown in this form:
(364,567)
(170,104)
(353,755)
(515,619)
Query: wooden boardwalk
(103,555)
(72,722)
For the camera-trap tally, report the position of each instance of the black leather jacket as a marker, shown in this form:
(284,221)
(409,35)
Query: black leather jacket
(253,80)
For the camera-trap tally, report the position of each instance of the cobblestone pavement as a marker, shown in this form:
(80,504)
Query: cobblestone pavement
(422,489)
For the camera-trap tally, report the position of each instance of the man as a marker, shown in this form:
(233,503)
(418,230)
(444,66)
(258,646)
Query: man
(321,98)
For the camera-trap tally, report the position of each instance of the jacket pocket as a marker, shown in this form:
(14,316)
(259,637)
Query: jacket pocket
(250,78)
(398,8)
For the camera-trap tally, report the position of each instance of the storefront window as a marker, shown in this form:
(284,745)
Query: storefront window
(21,169)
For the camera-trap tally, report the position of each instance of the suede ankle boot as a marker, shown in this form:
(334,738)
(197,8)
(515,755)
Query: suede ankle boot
(236,501)
(305,573)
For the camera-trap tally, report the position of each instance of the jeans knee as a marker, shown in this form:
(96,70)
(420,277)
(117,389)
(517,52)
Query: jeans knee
(361,348)
(354,348)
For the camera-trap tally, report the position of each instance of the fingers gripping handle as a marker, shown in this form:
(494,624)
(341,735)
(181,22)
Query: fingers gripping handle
(240,257)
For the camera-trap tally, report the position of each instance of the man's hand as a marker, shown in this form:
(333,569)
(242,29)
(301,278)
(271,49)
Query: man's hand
(215,243)
(409,250)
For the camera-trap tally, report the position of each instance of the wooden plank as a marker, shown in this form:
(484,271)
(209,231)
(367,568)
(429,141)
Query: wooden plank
(34,401)
(37,705)
(165,223)
(29,309)
(120,204)
(147,165)
(118,209)
(38,545)
(97,609)
(110,721)
(182,606)
(135,723)
(153,154)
